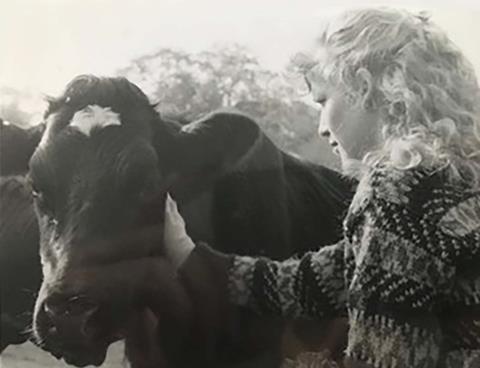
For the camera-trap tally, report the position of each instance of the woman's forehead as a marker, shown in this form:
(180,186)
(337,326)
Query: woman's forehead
(316,76)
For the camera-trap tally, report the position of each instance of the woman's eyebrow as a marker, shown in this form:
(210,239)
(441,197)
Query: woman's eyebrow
(318,90)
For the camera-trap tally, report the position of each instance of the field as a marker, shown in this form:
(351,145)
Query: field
(30,356)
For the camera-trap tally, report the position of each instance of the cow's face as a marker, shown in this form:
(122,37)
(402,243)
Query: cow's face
(99,195)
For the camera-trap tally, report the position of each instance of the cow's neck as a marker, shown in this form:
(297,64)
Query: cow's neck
(197,212)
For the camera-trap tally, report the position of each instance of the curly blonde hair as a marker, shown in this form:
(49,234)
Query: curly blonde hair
(424,88)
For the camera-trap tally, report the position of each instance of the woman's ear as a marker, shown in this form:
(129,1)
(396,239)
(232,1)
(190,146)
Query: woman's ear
(364,79)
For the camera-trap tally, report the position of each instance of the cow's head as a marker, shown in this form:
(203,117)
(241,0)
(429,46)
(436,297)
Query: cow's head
(99,177)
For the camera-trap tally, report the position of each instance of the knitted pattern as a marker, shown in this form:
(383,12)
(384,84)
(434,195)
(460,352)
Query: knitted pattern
(407,273)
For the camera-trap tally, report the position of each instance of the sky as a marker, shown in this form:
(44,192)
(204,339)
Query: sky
(45,43)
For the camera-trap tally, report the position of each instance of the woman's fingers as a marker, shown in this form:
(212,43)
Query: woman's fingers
(172,216)
(170,204)
(178,245)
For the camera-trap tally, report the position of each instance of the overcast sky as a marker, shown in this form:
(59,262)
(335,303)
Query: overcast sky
(44,43)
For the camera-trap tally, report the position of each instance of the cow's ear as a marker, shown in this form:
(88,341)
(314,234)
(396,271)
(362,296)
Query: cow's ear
(195,155)
(17,146)
(216,143)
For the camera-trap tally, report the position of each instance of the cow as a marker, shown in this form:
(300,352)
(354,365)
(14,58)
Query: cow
(20,271)
(99,179)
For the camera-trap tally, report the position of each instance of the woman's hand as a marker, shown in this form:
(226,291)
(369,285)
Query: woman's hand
(178,245)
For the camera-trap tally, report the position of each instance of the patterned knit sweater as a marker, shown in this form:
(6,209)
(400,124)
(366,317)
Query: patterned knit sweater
(407,274)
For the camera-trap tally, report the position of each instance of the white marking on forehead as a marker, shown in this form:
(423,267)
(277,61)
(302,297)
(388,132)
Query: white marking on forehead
(94,116)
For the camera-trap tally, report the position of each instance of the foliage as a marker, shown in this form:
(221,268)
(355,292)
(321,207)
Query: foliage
(20,108)
(189,85)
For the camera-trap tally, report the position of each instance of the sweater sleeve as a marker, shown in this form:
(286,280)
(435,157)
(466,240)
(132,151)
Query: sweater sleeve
(311,286)
(400,274)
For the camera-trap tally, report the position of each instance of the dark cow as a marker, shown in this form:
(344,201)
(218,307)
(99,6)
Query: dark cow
(20,272)
(16,147)
(99,178)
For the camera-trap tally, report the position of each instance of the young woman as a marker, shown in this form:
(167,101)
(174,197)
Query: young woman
(400,106)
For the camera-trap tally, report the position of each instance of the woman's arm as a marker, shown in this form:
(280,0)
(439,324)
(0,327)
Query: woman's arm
(311,286)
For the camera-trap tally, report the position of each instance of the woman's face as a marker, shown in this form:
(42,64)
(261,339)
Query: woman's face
(351,130)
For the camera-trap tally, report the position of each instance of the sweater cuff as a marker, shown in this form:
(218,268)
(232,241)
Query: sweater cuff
(203,262)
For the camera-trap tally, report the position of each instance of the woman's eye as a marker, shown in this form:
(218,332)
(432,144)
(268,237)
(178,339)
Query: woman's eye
(321,101)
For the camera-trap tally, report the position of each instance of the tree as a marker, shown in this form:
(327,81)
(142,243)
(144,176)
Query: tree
(20,108)
(189,85)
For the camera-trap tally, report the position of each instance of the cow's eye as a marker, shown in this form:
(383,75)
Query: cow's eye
(42,204)
(39,198)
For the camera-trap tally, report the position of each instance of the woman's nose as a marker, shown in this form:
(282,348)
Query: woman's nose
(323,127)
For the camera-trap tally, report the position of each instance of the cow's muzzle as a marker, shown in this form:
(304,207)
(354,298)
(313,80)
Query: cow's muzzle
(68,328)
